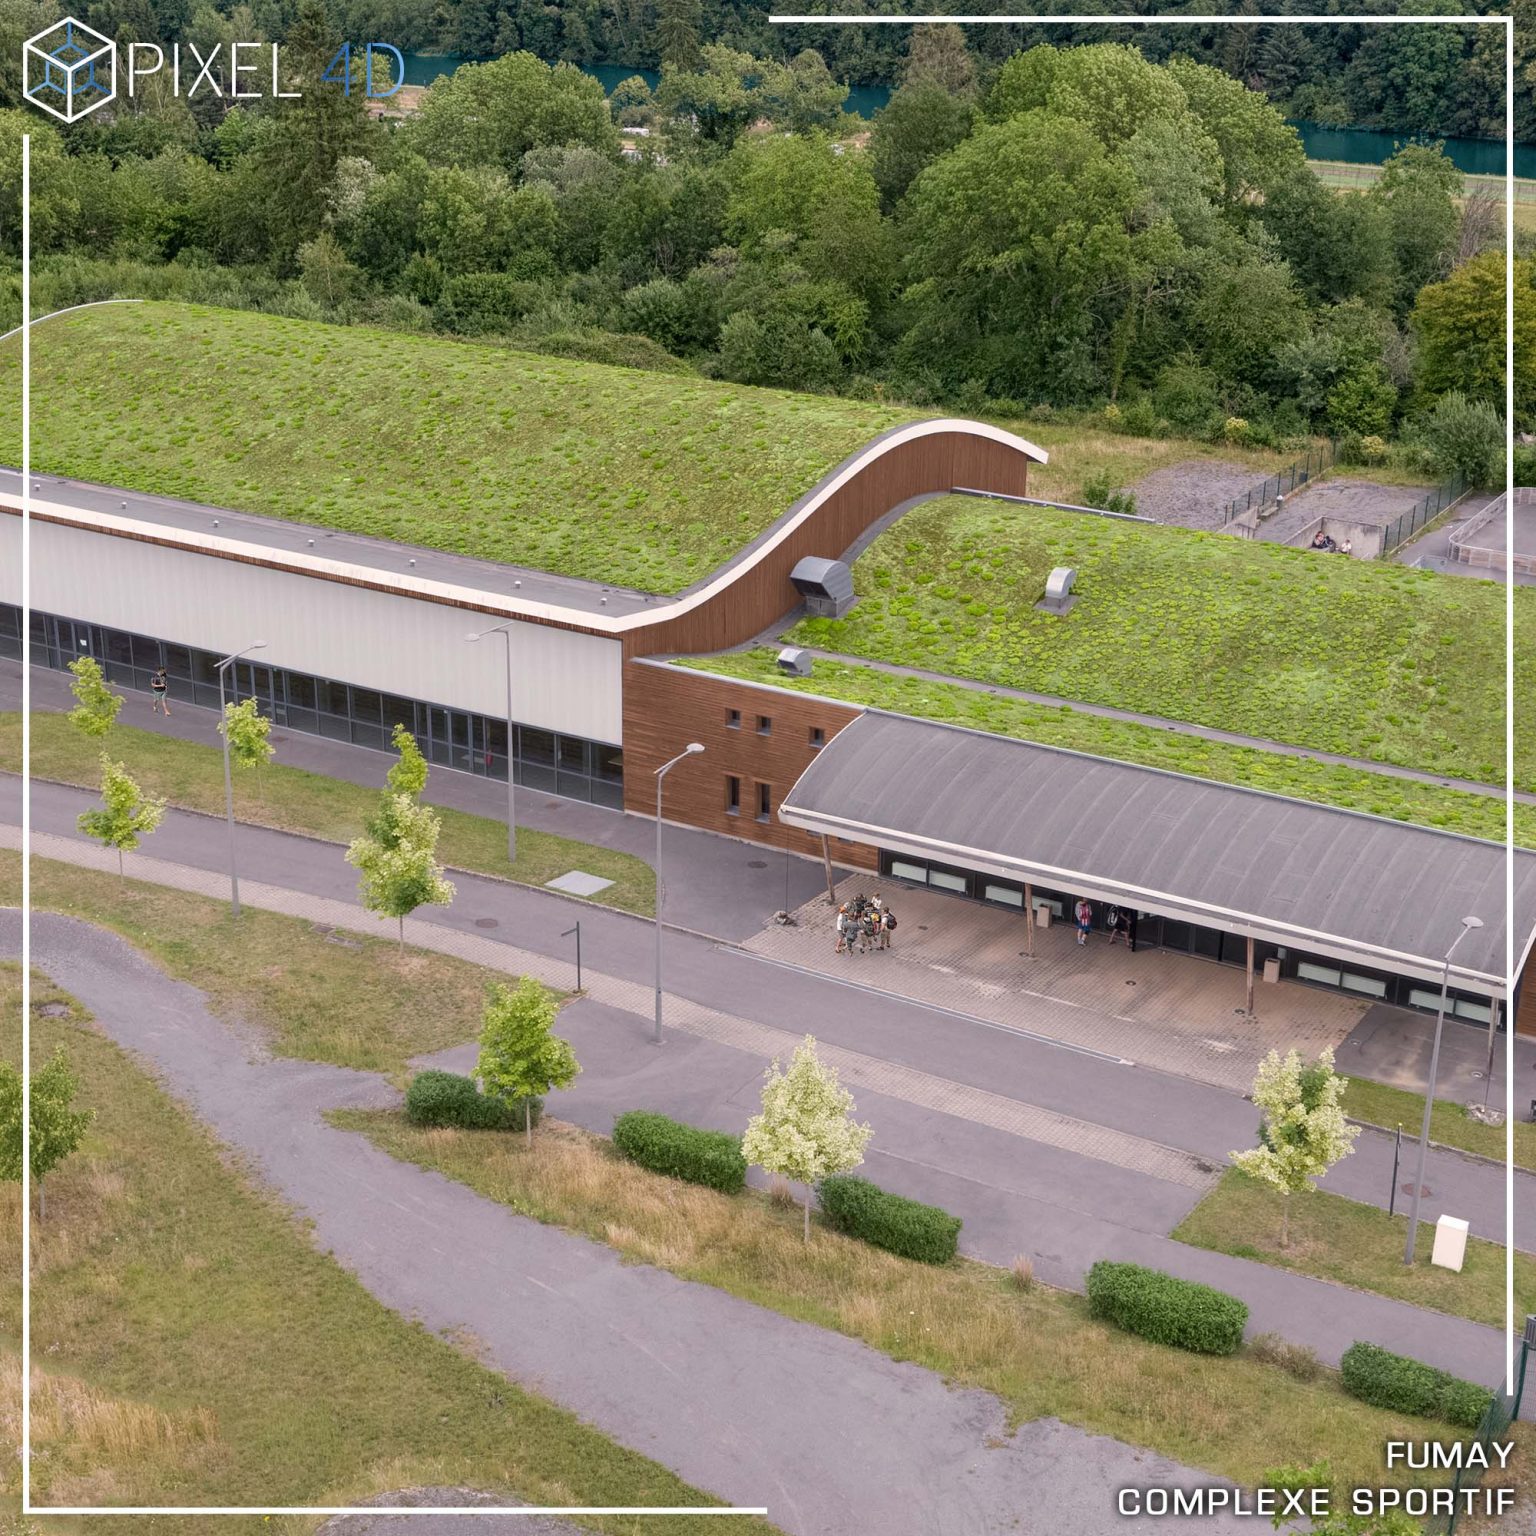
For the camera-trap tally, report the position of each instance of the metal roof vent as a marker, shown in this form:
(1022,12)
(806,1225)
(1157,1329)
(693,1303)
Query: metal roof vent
(826,586)
(1058,590)
(794,661)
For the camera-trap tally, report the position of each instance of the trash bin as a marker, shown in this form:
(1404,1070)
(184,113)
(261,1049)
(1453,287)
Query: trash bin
(1272,969)
(1043,919)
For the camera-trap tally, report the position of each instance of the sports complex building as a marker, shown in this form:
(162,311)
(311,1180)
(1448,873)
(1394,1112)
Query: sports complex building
(363,632)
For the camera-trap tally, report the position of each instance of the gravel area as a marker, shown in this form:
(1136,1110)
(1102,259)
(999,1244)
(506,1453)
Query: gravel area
(430,1499)
(1195,493)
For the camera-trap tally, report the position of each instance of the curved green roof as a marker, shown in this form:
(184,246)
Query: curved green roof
(616,475)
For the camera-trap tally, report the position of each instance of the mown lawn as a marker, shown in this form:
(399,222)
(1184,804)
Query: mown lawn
(641,479)
(1356,1245)
(1377,1104)
(1374,660)
(341,998)
(1039,1351)
(191,1346)
(191,775)
(1329,784)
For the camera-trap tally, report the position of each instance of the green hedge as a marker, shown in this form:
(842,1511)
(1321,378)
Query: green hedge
(1377,1376)
(711,1158)
(446,1098)
(893,1222)
(1165,1309)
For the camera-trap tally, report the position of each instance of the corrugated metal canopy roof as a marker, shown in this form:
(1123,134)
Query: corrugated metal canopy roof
(1313,876)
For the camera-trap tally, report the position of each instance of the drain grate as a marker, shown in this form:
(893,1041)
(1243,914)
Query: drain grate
(486,922)
(757,863)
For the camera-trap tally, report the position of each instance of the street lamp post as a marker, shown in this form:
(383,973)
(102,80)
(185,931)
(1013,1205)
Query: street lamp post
(661,774)
(1467,925)
(505,631)
(229,788)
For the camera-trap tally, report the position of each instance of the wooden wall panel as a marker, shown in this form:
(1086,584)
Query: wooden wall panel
(762,593)
(667,707)
(1525,1012)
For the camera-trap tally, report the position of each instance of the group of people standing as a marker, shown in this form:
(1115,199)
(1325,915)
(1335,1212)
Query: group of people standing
(864,923)
(1119,923)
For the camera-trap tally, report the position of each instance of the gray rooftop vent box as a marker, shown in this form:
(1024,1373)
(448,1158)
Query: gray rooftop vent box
(1058,590)
(794,661)
(826,586)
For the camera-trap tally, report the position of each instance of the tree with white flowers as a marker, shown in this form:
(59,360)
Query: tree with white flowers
(1303,1132)
(125,814)
(397,860)
(806,1130)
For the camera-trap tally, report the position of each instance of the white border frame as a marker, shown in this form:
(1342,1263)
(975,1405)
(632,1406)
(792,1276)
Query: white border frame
(27,1507)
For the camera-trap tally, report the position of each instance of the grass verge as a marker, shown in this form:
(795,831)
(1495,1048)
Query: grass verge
(341,998)
(1354,789)
(1377,1104)
(1374,660)
(191,775)
(192,1347)
(1356,1245)
(1039,1351)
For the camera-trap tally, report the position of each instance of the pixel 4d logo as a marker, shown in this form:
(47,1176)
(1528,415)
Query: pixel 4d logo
(69,70)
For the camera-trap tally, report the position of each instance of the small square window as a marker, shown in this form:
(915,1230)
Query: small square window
(732,795)
(818,737)
(764,802)
(765,725)
(733,719)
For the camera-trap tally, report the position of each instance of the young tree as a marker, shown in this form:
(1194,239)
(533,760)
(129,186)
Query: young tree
(1303,1132)
(126,813)
(409,775)
(57,1126)
(247,730)
(96,706)
(520,1055)
(806,1129)
(397,861)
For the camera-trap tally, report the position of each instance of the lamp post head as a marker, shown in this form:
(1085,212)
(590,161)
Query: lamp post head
(472,638)
(257,645)
(695,746)
(1471,922)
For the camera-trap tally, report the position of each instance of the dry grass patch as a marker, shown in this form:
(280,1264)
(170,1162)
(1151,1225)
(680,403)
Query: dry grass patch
(1038,1350)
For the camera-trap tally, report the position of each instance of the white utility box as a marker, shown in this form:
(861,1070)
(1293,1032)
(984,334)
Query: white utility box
(1450,1242)
(1272,970)
(1042,914)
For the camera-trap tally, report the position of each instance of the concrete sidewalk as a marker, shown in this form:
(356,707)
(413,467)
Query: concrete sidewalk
(833,1437)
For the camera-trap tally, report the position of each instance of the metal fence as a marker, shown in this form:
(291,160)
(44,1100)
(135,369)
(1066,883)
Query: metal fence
(1313,463)
(1422,513)
(1493,1425)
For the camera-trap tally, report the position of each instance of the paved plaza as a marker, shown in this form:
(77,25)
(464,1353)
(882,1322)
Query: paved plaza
(1174,1012)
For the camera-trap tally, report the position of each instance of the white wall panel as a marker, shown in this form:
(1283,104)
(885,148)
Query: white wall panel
(561,680)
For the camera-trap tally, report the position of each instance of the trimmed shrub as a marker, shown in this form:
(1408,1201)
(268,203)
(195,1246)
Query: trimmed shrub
(864,1210)
(1165,1309)
(446,1098)
(1377,1376)
(710,1158)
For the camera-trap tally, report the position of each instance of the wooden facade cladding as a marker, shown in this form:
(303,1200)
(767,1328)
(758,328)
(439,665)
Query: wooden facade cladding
(1525,1007)
(760,593)
(666,707)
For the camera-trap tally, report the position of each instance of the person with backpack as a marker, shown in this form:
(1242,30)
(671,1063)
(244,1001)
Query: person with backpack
(1115,921)
(887,927)
(158,687)
(1084,914)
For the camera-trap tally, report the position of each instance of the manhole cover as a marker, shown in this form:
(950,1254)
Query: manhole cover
(1424,1189)
(486,922)
(922,927)
(53,1010)
(757,863)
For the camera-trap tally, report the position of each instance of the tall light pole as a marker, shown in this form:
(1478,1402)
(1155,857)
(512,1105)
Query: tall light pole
(229,788)
(661,774)
(1467,925)
(505,631)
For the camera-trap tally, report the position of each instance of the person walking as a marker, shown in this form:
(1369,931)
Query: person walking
(842,929)
(887,927)
(1112,923)
(158,687)
(1084,914)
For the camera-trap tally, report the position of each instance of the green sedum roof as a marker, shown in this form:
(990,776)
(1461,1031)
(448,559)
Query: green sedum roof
(616,475)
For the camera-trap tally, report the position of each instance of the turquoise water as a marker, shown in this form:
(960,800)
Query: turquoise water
(1356,146)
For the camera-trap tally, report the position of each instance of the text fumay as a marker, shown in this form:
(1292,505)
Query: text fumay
(252,71)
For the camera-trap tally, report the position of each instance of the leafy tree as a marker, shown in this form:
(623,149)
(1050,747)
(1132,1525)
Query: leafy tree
(57,1127)
(1258,148)
(806,1129)
(1466,437)
(1460,325)
(247,729)
(96,706)
(938,59)
(1303,1132)
(1111,88)
(328,277)
(520,1055)
(397,861)
(126,813)
(408,774)
(1362,402)
(677,33)
(1419,188)
(919,124)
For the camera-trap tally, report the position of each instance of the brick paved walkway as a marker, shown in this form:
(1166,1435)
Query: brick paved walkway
(1163,1010)
(913,1086)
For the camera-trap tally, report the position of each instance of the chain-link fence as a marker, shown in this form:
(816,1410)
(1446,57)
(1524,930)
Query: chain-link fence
(1310,465)
(1422,513)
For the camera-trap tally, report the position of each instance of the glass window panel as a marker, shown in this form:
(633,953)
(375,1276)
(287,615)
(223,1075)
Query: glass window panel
(366,706)
(303,720)
(301,691)
(146,653)
(949,880)
(536,747)
(10,620)
(1327,974)
(1206,942)
(608,762)
(333,697)
(1004,894)
(1419,998)
(1051,905)
(1366,984)
(903,870)
(205,669)
(496,738)
(1175,934)
(365,735)
(335,728)
(119,646)
(399,711)
(608,793)
(206,696)
(537,775)
(1466,1008)
(574,786)
(178,661)
(573,754)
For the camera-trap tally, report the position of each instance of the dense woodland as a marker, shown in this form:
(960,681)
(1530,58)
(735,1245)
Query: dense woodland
(1068,229)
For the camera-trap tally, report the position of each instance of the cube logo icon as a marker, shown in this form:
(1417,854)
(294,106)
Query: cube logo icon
(69,70)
